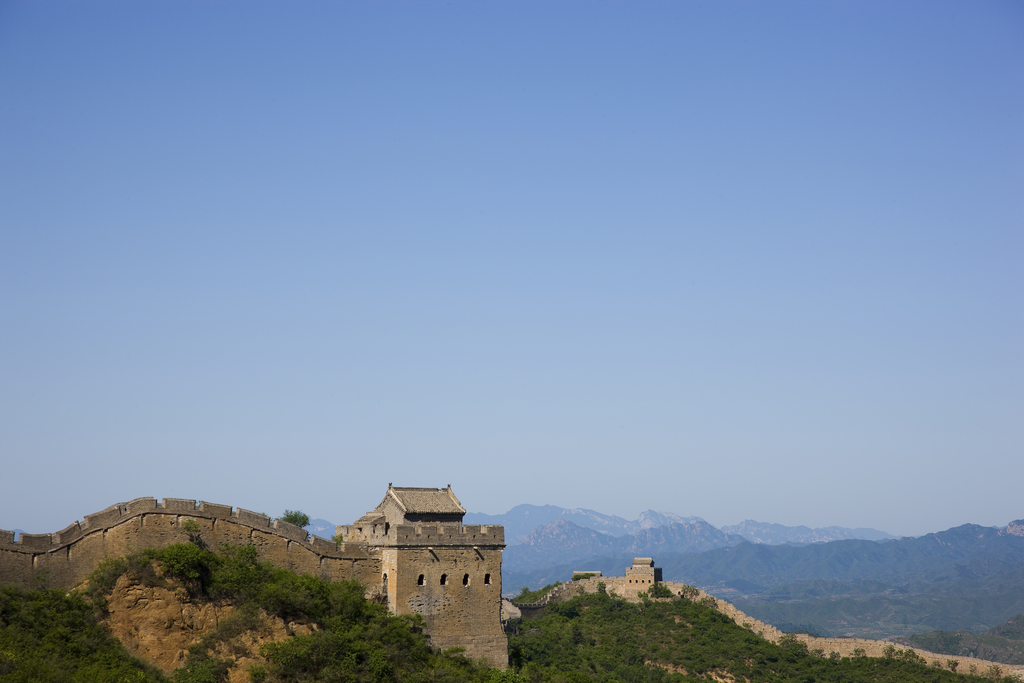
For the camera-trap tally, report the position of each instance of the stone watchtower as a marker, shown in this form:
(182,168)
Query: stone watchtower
(435,566)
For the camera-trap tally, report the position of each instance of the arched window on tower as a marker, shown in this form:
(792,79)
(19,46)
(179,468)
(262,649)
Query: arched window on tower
(465,580)
(444,579)
(419,581)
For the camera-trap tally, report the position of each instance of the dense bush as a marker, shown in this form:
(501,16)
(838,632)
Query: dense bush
(46,635)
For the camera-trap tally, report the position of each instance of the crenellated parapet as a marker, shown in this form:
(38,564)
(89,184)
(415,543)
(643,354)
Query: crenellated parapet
(181,507)
(66,557)
(423,535)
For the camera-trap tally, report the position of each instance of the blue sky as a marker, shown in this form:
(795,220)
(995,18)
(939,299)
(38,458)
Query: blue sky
(736,260)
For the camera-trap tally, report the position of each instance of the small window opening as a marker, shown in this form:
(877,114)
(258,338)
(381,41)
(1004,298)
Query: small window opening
(465,580)
(444,579)
(487,579)
(387,527)
(419,581)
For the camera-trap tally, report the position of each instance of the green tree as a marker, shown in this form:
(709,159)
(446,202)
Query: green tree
(296,517)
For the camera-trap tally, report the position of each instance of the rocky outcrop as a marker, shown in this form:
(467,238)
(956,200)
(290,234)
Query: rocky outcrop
(158,623)
(1014,528)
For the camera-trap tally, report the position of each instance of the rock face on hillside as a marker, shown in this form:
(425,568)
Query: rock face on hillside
(1014,528)
(157,624)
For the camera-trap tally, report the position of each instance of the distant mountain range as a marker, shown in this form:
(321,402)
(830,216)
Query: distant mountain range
(521,520)
(969,577)
(777,534)
(562,541)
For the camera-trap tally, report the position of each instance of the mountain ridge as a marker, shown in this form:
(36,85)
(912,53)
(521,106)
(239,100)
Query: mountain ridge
(778,534)
(523,519)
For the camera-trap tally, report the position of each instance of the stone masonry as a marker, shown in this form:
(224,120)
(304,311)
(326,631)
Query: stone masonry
(420,561)
(434,566)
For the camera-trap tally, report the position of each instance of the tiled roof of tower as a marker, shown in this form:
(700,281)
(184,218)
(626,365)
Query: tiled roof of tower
(419,501)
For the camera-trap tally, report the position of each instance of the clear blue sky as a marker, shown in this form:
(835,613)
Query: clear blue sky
(736,260)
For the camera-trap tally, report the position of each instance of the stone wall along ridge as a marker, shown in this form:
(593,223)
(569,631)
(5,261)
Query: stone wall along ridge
(121,512)
(846,647)
(68,556)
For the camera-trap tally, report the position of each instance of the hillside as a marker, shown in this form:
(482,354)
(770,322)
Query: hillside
(596,637)
(203,617)
(969,577)
(186,614)
(1004,643)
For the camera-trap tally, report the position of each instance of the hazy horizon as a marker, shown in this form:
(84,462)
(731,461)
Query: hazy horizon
(631,518)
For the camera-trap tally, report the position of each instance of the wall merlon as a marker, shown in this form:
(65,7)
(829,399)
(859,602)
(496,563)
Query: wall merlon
(356,550)
(179,505)
(70,533)
(139,505)
(36,541)
(214,510)
(296,533)
(324,545)
(103,518)
(253,519)
(6,536)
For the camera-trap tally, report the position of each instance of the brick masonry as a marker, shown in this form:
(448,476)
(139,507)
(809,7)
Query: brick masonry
(463,612)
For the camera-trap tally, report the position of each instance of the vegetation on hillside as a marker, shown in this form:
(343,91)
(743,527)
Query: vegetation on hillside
(46,635)
(968,578)
(597,637)
(878,610)
(1004,643)
(52,636)
(352,638)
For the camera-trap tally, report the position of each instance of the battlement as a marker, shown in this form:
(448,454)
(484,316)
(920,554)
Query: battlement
(121,513)
(380,533)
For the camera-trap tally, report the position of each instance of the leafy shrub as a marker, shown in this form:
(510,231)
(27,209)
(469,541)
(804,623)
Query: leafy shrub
(188,562)
(47,635)
(296,517)
(660,590)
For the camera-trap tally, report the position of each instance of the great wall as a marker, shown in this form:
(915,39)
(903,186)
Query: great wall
(642,575)
(412,551)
